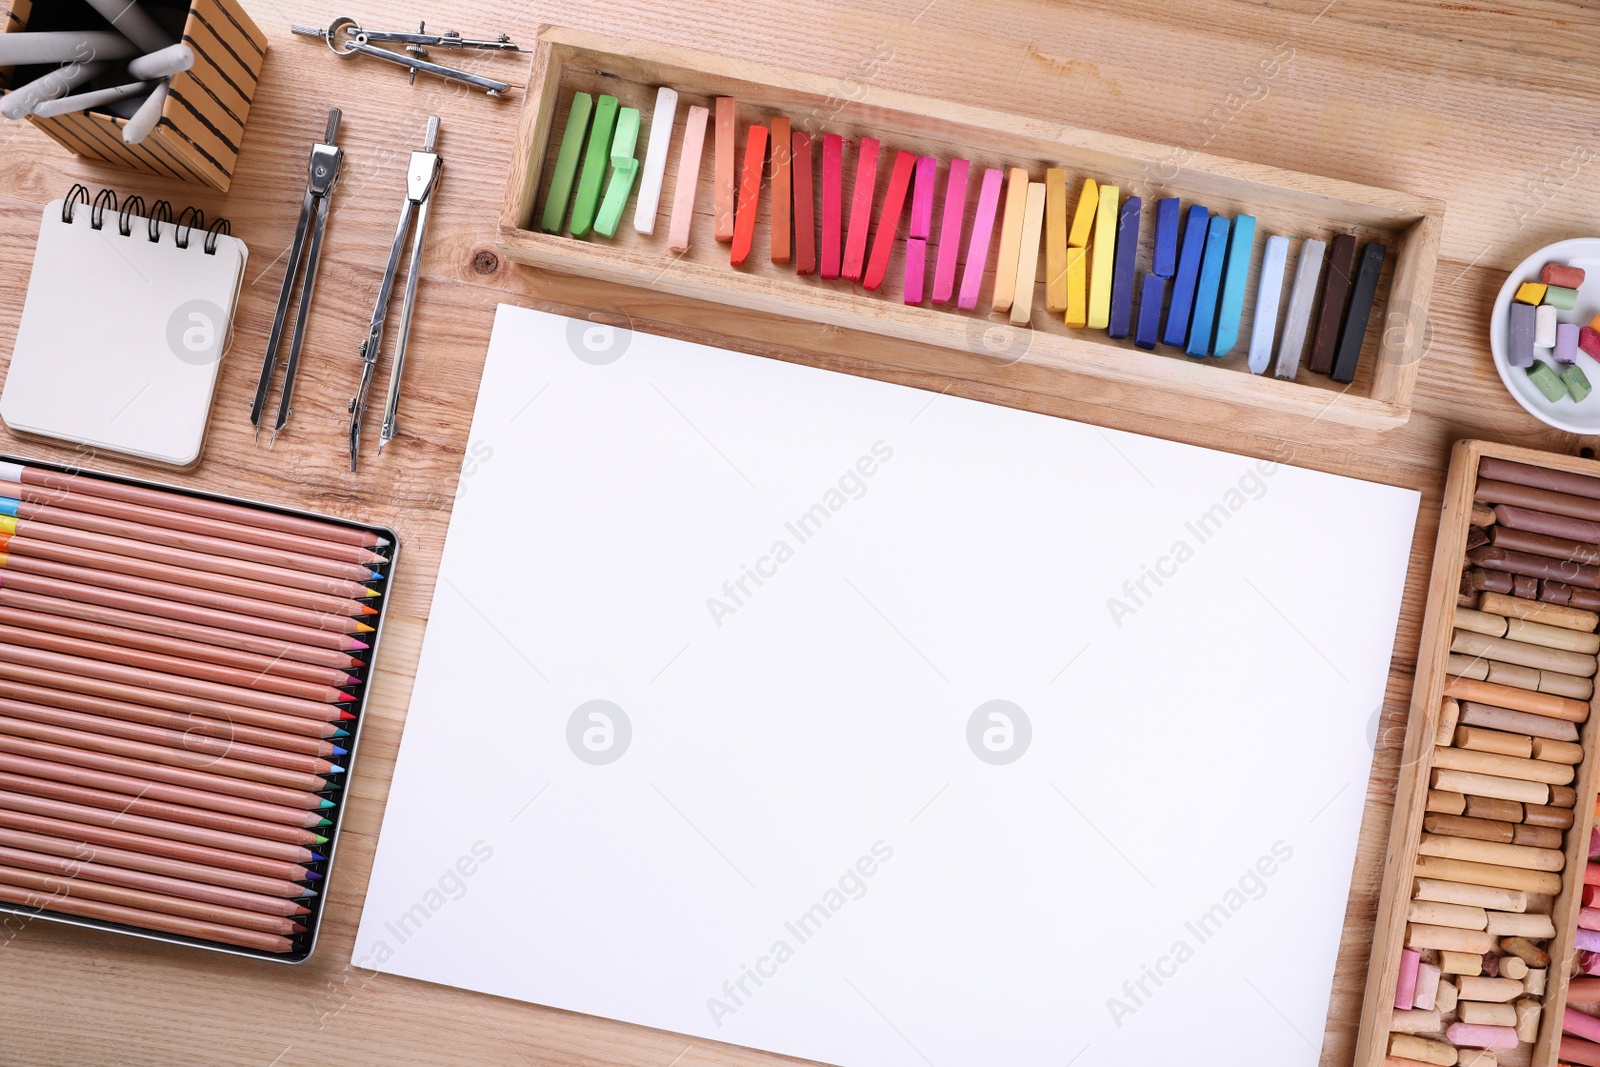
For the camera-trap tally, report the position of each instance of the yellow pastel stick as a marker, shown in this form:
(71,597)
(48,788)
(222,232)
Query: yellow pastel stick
(1531,293)
(1077,287)
(1055,239)
(1005,272)
(1103,255)
(1028,253)
(1088,201)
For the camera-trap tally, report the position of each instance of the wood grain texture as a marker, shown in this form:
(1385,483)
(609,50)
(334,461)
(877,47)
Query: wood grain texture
(1345,104)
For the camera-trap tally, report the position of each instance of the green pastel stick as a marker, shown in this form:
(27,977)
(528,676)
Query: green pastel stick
(1556,296)
(593,173)
(1577,383)
(1548,383)
(622,177)
(555,203)
(626,139)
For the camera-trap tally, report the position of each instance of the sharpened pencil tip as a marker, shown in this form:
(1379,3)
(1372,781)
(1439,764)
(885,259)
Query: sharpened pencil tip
(323,804)
(320,839)
(367,609)
(308,892)
(369,592)
(334,768)
(337,751)
(344,698)
(377,576)
(350,679)
(363,628)
(339,731)
(321,822)
(301,909)
(298,928)
(313,876)
(345,716)
(382,542)
(317,857)
(361,645)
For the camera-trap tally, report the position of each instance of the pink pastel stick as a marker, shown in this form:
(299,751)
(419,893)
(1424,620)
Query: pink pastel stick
(955,210)
(978,247)
(1589,918)
(1427,995)
(922,197)
(1586,940)
(1405,989)
(1589,962)
(1585,1026)
(1594,834)
(917,270)
(694,142)
(1479,1036)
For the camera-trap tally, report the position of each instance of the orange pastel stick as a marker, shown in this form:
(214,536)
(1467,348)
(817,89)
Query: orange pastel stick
(744,216)
(722,182)
(781,185)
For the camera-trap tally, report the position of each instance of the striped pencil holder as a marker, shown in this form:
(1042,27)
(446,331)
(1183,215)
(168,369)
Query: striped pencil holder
(203,121)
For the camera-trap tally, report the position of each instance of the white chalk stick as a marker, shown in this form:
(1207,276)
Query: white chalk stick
(68,105)
(144,120)
(655,160)
(63,46)
(163,63)
(134,23)
(1544,326)
(1269,291)
(21,101)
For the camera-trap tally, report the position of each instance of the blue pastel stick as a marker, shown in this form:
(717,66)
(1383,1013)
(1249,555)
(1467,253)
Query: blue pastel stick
(1240,248)
(1150,310)
(1209,285)
(1166,259)
(1194,242)
(1121,323)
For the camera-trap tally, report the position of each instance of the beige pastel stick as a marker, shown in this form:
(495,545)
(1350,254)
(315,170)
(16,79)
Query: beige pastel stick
(1517,722)
(1490,990)
(1005,268)
(1466,848)
(1517,699)
(1447,997)
(1460,963)
(1436,913)
(1564,685)
(1537,611)
(1482,515)
(1539,657)
(1537,633)
(1478,896)
(1477,1057)
(1528,770)
(1512,674)
(1528,1012)
(1449,715)
(1488,785)
(1556,751)
(1411,1047)
(1466,667)
(1447,939)
(1478,739)
(1028,254)
(1489,874)
(1535,981)
(1514,967)
(1415,1021)
(1480,622)
(1446,803)
(1478,1012)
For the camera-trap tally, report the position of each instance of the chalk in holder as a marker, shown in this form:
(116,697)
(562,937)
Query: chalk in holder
(916,269)
(804,198)
(694,142)
(144,120)
(832,205)
(1005,268)
(71,105)
(63,46)
(655,160)
(595,157)
(1269,290)
(744,211)
(1302,297)
(1208,287)
(861,197)
(1520,318)
(955,211)
(20,102)
(566,168)
(1055,240)
(1241,246)
(1151,291)
(723,174)
(1028,254)
(134,23)
(1166,250)
(163,63)
(624,169)
(782,190)
(1120,324)
(1102,257)
(978,244)
(1335,295)
(927,173)
(1352,335)
(894,200)
(1178,311)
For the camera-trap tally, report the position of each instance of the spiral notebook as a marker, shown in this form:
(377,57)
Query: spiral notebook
(127,318)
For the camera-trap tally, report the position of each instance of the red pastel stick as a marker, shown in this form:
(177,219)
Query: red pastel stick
(805,226)
(832,202)
(855,242)
(894,201)
(744,214)
(955,210)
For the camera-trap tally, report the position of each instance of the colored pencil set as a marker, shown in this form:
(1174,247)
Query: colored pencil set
(1192,297)
(181,681)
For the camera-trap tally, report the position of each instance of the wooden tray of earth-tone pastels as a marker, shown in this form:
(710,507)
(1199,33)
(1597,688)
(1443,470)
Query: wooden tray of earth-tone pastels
(1478,922)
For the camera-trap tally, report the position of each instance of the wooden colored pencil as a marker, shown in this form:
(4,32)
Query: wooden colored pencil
(240,514)
(124,804)
(334,631)
(272,649)
(154,847)
(200,748)
(238,918)
(128,860)
(82,868)
(100,636)
(172,831)
(177,665)
(172,924)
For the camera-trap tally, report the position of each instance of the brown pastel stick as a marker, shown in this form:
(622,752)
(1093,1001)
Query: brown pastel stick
(1474,783)
(1466,848)
(1490,874)
(1563,796)
(1536,836)
(1528,770)
(1543,522)
(1538,633)
(1480,622)
(1556,751)
(1538,657)
(1509,470)
(1535,981)
(1449,715)
(1525,586)
(1477,535)
(1446,803)
(1515,924)
(1493,809)
(1458,916)
(1572,596)
(1481,829)
(1335,293)
(1482,515)
(1477,896)
(1490,990)
(1493,491)
(1518,722)
(1562,548)
(1461,963)
(1480,580)
(1543,815)
(1502,696)
(1459,666)
(1478,739)
(1530,953)
(1549,614)
(1492,558)
(1447,939)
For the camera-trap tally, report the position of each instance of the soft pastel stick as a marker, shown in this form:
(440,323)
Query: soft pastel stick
(1150,294)
(1194,243)
(595,158)
(1297,320)
(1562,275)
(1481,1036)
(1102,258)
(782,189)
(566,168)
(625,138)
(744,212)
(1083,218)
(1531,292)
(922,197)
(1269,291)
(1561,297)
(1566,346)
(1055,239)
(916,268)
(1335,297)
(1005,268)
(694,141)
(855,242)
(805,227)
(1520,323)
(655,160)
(1544,326)
(832,203)
(1363,292)
(1077,287)
(1166,253)
(1120,324)
(1405,986)
(1241,246)
(955,212)
(1209,286)
(723,175)
(978,244)
(894,202)
(1028,254)
(616,199)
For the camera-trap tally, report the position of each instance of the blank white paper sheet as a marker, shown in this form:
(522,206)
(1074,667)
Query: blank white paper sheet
(879,727)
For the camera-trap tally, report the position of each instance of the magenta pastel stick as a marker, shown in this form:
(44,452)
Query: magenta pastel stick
(1480,1036)
(1584,1026)
(916,268)
(955,211)
(978,247)
(1589,918)
(1405,989)
(922,197)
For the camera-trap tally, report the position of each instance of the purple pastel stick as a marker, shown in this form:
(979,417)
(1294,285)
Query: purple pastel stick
(1521,318)
(1566,342)
(1586,940)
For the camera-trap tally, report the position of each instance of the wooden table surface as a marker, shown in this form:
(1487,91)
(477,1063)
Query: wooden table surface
(1491,107)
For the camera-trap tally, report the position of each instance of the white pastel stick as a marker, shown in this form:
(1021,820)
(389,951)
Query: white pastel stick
(1269,290)
(1544,326)
(144,120)
(68,105)
(134,23)
(1301,296)
(21,101)
(655,159)
(63,46)
(174,59)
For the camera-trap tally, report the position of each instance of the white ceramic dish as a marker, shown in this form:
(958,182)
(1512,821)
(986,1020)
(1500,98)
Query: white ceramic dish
(1581,418)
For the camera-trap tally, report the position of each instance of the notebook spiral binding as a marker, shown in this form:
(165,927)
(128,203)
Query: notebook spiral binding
(133,207)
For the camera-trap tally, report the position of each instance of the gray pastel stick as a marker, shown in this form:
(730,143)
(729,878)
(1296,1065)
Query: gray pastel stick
(100,98)
(127,107)
(131,20)
(174,59)
(144,120)
(1301,297)
(20,102)
(1269,290)
(63,46)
